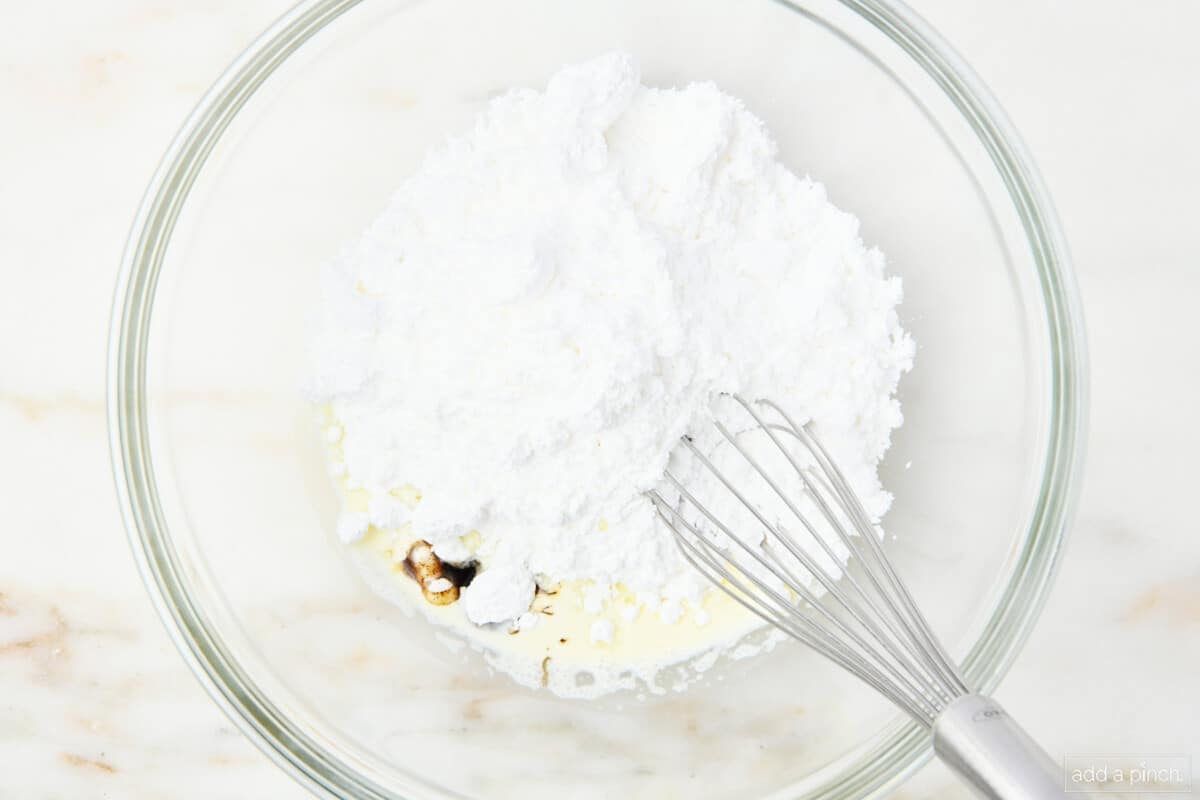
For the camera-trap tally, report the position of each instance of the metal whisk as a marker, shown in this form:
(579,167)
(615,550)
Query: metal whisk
(868,623)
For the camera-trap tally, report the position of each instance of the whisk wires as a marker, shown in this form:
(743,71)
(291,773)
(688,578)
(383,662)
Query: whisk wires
(883,638)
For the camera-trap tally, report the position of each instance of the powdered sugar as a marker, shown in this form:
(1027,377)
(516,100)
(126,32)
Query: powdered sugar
(554,298)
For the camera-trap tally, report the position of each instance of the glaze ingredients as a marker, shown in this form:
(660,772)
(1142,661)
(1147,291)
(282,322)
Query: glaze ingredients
(513,348)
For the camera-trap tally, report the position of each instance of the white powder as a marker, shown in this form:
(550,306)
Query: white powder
(437,585)
(554,298)
(602,631)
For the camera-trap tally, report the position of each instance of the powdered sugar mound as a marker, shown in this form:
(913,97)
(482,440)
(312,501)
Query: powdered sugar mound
(554,298)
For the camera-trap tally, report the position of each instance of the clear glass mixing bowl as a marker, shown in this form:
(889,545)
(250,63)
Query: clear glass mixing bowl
(221,478)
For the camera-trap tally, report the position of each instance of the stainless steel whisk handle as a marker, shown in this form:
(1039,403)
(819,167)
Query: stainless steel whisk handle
(977,738)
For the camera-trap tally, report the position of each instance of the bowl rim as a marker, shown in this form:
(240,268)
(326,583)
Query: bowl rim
(887,764)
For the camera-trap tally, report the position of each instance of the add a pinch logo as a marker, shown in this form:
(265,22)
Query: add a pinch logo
(1133,773)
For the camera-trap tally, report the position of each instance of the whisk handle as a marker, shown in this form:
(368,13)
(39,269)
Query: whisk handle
(976,738)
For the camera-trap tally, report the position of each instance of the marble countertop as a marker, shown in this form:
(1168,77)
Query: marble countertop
(94,701)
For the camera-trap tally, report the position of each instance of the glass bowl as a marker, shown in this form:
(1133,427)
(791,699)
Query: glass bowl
(221,474)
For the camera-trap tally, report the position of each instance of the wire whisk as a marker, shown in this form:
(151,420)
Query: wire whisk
(862,617)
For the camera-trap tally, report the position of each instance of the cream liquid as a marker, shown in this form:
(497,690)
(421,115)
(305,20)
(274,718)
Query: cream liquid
(644,652)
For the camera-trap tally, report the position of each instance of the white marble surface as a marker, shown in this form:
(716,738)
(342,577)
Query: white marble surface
(94,702)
